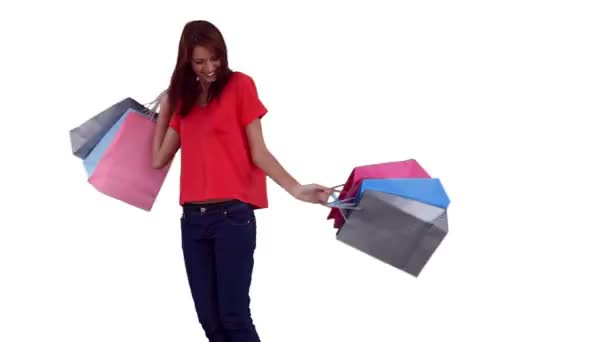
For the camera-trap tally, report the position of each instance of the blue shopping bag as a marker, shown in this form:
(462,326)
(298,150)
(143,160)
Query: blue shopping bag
(425,190)
(92,159)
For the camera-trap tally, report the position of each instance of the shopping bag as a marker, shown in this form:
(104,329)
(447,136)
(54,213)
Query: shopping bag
(398,231)
(149,110)
(124,170)
(426,190)
(84,137)
(409,168)
(92,159)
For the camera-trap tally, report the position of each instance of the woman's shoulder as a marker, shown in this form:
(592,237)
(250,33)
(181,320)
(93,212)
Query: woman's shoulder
(243,83)
(238,74)
(240,77)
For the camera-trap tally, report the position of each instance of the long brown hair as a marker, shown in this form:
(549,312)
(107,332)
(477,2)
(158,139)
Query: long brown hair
(184,88)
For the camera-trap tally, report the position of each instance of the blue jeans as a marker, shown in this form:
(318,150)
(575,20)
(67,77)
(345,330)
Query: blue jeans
(218,241)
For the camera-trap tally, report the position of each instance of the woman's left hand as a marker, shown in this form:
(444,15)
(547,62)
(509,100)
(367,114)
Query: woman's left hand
(312,193)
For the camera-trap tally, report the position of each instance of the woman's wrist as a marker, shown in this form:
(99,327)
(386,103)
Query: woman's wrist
(292,189)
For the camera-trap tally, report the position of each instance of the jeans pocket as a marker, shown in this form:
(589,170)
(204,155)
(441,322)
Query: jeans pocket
(239,216)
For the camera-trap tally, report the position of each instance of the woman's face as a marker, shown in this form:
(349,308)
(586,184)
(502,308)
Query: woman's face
(205,64)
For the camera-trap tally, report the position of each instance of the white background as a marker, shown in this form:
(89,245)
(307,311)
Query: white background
(501,100)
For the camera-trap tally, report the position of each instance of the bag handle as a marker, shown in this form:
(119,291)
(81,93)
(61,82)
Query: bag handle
(344,201)
(341,205)
(151,108)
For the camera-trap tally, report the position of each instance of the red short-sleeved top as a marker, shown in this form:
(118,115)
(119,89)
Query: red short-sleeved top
(215,157)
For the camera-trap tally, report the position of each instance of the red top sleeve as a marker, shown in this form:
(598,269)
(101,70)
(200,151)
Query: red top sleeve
(250,105)
(175,122)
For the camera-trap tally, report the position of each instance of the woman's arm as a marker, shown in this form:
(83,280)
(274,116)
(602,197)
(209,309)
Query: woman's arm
(264,159)
(166,140)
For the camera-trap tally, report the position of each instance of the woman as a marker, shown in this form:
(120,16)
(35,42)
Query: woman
(213,114)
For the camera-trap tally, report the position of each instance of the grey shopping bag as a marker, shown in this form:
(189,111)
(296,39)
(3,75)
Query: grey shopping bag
(401,232)
(84,137)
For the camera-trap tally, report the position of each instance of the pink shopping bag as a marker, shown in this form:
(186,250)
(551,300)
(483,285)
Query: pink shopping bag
(125,170)
(398,169)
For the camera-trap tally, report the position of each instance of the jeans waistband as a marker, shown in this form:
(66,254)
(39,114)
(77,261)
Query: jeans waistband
(213,207)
